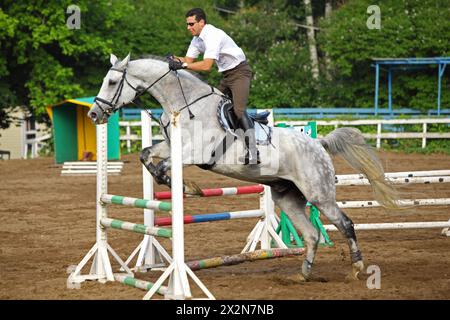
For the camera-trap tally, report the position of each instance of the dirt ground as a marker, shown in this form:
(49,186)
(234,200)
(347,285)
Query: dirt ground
(47,223)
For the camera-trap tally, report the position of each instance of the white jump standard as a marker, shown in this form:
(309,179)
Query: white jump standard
(101,269)
(177,271)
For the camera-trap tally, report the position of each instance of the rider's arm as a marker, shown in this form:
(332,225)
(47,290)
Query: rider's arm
(204,65)
(185,59)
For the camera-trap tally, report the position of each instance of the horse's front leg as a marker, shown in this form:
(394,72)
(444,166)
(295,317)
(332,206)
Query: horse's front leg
(161,171)
(189,187)
(162,151)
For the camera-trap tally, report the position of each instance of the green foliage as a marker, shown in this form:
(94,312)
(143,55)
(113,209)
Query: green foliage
(44,62)
(408,29)
(277,55)
(289,89)
(256,32)
(160,29)
(40,61)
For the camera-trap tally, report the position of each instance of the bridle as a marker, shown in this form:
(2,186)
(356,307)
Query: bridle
(113,103)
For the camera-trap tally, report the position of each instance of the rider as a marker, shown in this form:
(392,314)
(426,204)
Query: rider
(216,46)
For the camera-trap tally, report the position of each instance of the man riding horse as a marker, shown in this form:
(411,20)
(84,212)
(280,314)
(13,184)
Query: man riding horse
(216,46)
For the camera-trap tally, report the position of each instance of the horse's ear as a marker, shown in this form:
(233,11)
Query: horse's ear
(124,62)
(113,59)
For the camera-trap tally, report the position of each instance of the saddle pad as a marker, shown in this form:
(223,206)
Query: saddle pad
(263,132)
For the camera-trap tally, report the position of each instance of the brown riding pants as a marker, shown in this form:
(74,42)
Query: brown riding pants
(236,84)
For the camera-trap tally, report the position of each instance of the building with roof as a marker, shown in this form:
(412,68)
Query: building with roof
(74,133)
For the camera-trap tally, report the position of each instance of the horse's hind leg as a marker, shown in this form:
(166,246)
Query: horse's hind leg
(345,225)
(293,203)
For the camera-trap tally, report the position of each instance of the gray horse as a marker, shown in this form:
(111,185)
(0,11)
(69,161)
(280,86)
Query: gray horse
(296,167)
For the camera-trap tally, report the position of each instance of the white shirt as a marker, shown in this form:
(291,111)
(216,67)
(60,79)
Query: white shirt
(215,44)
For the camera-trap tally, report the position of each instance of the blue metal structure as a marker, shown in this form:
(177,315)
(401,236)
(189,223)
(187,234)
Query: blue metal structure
(311,113)
(406,63)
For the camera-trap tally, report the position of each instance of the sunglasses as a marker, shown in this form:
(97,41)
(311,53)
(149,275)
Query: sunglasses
(190,24)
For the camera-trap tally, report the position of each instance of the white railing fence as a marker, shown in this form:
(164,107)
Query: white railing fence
(424,135)
(131,135)
(33,143)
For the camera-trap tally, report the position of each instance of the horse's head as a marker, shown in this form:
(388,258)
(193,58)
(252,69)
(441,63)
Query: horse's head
(115,92)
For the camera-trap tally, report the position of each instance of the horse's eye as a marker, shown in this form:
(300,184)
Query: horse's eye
(112,82)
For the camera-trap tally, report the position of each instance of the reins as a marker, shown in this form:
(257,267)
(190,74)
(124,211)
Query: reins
(113,103)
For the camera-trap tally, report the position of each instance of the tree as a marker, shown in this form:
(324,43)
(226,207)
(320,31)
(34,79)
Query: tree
(43,61)
(311,39)
(408,29)
(274,43)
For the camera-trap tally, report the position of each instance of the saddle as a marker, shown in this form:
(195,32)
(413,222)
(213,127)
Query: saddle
(228,121)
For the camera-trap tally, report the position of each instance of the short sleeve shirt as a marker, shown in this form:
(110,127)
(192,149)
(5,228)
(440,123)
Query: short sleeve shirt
(215,44)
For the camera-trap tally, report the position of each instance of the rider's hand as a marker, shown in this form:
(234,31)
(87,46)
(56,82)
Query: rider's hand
(175,64)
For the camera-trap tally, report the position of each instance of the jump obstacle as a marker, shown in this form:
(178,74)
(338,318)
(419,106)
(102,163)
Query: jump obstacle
(213,263)
(265,233)
(288,232)
(178,270)
(101,270)
(260,234)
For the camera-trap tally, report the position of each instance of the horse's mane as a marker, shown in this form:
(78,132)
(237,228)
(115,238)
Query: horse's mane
(164,59)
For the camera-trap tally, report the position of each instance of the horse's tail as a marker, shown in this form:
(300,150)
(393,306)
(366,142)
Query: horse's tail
(350,144)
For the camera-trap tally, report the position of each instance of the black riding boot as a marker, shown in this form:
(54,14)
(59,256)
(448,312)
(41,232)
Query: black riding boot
(251,151)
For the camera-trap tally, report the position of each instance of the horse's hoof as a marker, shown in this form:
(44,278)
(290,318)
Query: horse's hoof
(352,277)
(300,278)
(357,267)
(297,278)
(192,188)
